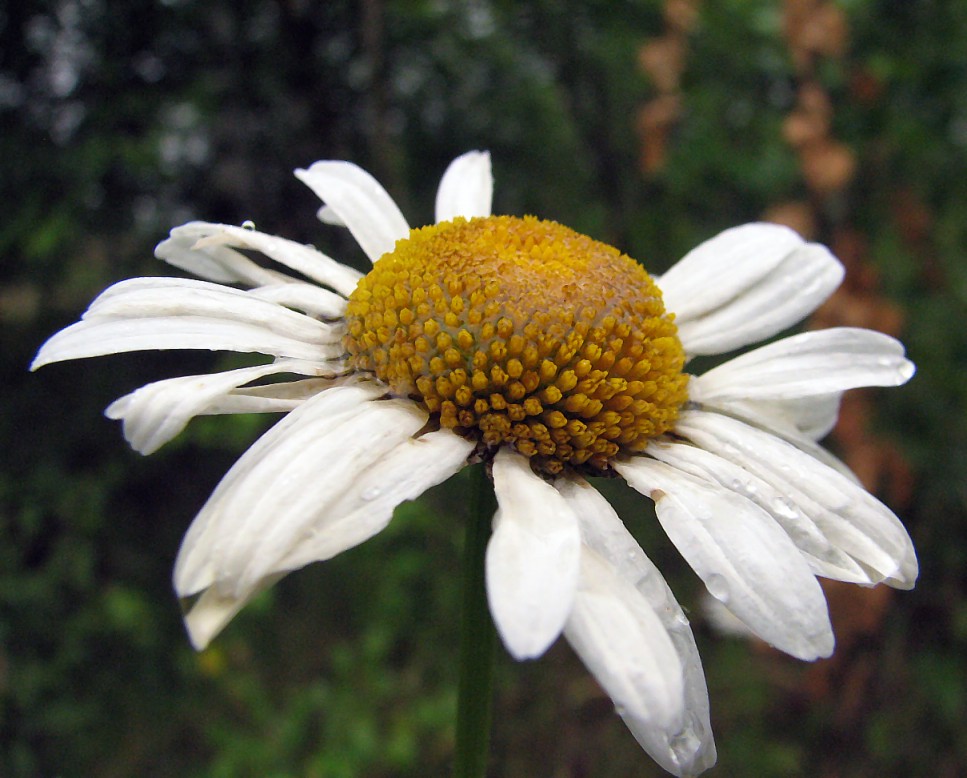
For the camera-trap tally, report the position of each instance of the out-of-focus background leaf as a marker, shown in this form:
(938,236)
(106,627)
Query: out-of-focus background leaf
(649,125)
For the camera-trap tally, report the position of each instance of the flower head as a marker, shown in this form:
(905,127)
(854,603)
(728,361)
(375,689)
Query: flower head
(523,333)
(553,357)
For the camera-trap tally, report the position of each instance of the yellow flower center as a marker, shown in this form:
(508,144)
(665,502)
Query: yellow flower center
(522,332)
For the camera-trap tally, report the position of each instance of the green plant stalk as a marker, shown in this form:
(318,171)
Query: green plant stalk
(478,638)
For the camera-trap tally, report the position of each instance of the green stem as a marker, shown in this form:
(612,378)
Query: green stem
(478,638)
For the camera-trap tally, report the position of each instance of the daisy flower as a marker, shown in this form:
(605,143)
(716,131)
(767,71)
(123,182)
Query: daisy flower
(551,357)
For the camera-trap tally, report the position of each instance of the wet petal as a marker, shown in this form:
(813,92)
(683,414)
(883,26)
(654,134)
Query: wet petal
(217,263)
(745,559)
(623,642)
(790,420)
(278,493)
(852,519)
(533,558)
(209,251)
(347,511)
(812,417)
(688,748)
(365,506)
(824,557)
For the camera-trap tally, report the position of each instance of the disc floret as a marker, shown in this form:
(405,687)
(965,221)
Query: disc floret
(522,332)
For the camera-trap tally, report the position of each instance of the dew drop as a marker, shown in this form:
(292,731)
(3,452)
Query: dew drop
(718,587)
(782,508)
(248,224)
(745,488)
(642,580)
(685,744)
(371,493)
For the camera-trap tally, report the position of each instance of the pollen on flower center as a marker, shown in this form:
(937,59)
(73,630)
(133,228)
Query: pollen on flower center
(522,332)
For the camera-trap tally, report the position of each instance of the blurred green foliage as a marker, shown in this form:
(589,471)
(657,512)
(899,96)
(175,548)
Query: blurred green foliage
(118,121)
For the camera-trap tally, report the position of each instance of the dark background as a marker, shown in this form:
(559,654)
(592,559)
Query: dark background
(649,125)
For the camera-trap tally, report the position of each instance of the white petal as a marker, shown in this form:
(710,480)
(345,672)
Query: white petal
(328,216)
(155,297)
(744,558)
(209,251)
(814,363)
(532,558)
(722,620)
(686,754)
(211,611)
(97,337)
(366,505)
(216,263)
(311,299)
(307,457)
(282,396)
(288,499)
(622,641)
(799,422)
(723,267)
(158,412)
(351,512)
(177,313)
(689,748)
(777,300)
(467,188)
(360,203)
(812,417)
(848,515)
(304,259)
(824,557)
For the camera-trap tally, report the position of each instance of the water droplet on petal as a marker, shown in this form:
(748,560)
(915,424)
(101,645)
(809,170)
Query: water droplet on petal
(783,508)
(248,224)
(745,488)
(718,587)
(686,743)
